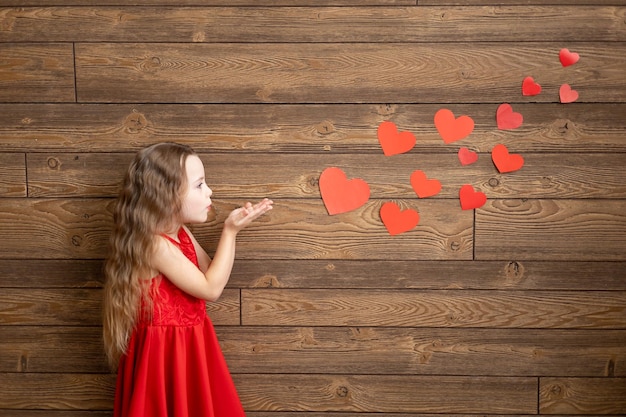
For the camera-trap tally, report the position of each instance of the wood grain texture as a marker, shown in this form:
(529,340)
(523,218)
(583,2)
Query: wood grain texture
(341,73)
(12,175)
(511,23)
(57,391)
(582,396)
(304,128)
(37,73)
(551,229)
(423,351)
(386,394)
(83,307)
(451,308)
(249,175)
(303,274)
(448,274)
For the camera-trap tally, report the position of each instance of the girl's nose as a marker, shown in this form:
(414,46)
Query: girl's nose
(209,191)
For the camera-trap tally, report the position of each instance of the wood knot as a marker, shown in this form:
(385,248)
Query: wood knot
(342,391)
(77,240)
(386,109)
(455,246)
(494,182)
(267,281)
(514,269)
(151,65)
(325,128)
(53,163)
(135,122)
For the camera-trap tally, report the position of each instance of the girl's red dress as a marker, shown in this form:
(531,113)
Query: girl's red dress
(174,366)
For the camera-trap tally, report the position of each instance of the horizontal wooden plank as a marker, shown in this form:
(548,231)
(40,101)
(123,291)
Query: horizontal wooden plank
(80,228)
(50,413)
(23,3)
(342,73)
(382,274)
(349,393)
(314,24)
(52,349)
(494,352)
(451,308)
(45,273)
(57,391)
(36,72)
(297,128)
(551,230)
(387,394)
(83,307)
(386,351)
(239,175)
(12,175)
(50,229)
(582,396)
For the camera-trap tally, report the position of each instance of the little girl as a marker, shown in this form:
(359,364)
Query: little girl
(156,330)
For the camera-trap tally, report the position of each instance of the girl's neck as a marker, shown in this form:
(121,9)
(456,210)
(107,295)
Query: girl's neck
(173,232)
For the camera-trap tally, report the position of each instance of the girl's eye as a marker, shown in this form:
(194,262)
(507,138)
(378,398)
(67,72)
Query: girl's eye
(200,185)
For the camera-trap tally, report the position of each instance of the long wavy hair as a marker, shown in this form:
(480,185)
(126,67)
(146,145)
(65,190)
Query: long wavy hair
(149,201)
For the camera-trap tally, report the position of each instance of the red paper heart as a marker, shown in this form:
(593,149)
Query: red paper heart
(471,199)
(452,129)
(568,58)
(530,87)
(507,118)
(423,186)
(567,95)
(392,141)
(396,220)
(504,161)
(467,157)
(340,194)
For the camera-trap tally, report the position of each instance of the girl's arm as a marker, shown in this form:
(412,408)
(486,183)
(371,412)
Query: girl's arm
(170,261)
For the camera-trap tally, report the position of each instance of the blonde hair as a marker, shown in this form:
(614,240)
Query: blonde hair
(149,200)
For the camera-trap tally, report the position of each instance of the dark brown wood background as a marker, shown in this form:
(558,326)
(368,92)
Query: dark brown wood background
(516,308)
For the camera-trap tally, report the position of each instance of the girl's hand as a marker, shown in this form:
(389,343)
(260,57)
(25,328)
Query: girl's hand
(243,216)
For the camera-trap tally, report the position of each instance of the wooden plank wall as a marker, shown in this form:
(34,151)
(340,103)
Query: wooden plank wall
(515,308)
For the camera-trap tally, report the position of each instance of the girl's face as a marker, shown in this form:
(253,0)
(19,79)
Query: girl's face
(197,196)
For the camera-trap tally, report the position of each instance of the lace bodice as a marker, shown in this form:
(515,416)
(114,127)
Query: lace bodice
(172,306)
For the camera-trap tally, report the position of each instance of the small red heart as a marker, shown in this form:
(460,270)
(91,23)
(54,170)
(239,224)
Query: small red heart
(568,58)
(467,157)
(504,161)
(340,194)
(530,87)
(423,186)
(507,118)
(396,220)
(567,95)
(471,199)
(452,129)
(392,141)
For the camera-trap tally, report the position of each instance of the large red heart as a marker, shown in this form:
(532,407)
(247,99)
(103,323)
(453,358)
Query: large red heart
(452,129)
(396,220)
(530,87)
(471,199)
(392,141)
(340,194)
(567,95)
(423,186)
(568,58)
(467,157)
(506,118)
(504,161)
